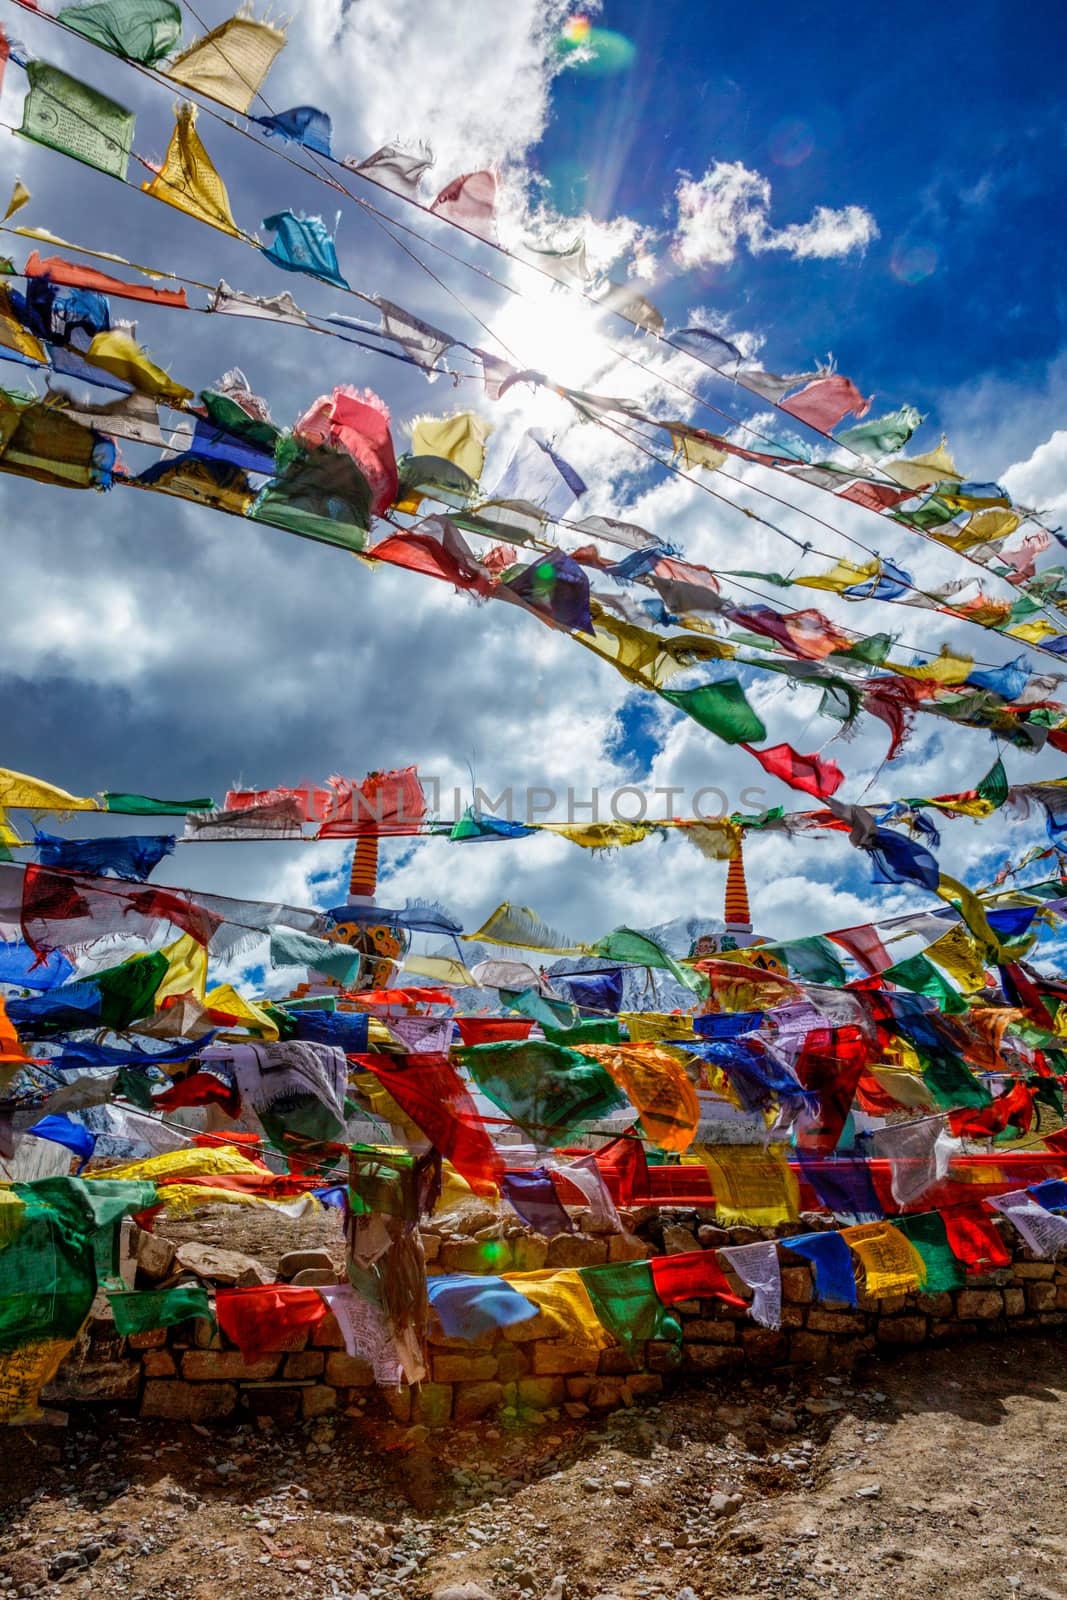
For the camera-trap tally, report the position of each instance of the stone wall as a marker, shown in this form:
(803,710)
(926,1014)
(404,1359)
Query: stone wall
(190,1373)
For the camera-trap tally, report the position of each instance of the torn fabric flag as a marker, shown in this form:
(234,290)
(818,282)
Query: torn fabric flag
(187,179)
(399,170)
(303,244)
(134,857)
(305,125)
(230,63)
(141,30)
(78,121)
(470,202)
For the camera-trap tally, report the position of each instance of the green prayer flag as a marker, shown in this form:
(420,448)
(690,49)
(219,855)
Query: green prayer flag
(721,708)
(289,948)
(141,30)
(548,1014)
(994,786)
(624,1298)
(226,413)
(78,121)
(872,651)
(127,991)
(952,1085)
(590,1030)
(927,1234)
(933,513)
(383,1179)
(882,436)
(626,944)
(814,959)
(142,805)
(140,1310)
(922,977)
(136,1087)
(318,494)
(548,1091)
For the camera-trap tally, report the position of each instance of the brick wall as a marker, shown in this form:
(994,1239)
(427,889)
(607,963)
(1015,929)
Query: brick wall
(190,1373)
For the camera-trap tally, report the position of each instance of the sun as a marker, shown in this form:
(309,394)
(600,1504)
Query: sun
(555,335)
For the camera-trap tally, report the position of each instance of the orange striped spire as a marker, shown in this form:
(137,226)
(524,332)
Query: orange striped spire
(735,912)
(364,878)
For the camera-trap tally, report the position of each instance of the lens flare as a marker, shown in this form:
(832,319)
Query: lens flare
(913,260)
(595,52)
(791,142)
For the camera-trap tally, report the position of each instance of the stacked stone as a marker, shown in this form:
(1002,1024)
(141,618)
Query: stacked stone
(191,1373)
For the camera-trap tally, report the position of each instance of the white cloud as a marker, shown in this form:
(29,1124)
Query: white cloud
(729,208)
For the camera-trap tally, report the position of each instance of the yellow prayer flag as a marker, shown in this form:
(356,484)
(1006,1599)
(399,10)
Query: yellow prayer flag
(693,452)
(890,1261)
(945,668)
(842,575)
(985,527)
(906,1088)
(20,196)
(186,970)
(1031,632)
(654,1079)
(188,181)
(752,1187)
(8,835)
(460,439)
(957,954)
(181,1198)
(225,999)
(20,792)
(13,336)
(562,1295)
(442,969)
(646,1027)
(24,1373)
(934,467)
(600,835)
(115,352)
(230,63)
(195,1162)
(973,913)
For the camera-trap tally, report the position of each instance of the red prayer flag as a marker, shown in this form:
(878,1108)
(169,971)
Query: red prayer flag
(973,1239)
(695,1275)
(77,277)
(268,1317)
(470,201)
(491,1030)
(810,773)
(428,1089)
(823,403)
(65,908)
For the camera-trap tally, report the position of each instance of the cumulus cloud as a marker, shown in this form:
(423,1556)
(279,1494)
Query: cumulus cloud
(729,209)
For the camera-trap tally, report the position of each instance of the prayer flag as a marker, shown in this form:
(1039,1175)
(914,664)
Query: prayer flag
(78,121)
(230,63)
(187,179)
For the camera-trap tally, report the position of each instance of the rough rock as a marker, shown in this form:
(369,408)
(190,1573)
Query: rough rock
(294,1261)
(223,1266)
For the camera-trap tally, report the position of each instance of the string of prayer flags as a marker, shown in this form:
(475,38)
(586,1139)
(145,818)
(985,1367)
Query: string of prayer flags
(562,1295)
(230,63)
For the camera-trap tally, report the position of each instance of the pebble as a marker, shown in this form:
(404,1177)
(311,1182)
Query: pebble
(623,1486)
(870,1491)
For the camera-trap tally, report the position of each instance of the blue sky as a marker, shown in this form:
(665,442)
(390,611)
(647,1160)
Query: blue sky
(944,121)
(155,647)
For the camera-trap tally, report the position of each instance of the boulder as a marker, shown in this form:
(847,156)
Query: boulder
(296,1261)
(223,1266)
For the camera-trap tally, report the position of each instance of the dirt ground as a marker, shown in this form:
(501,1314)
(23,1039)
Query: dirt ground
(935,1474)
